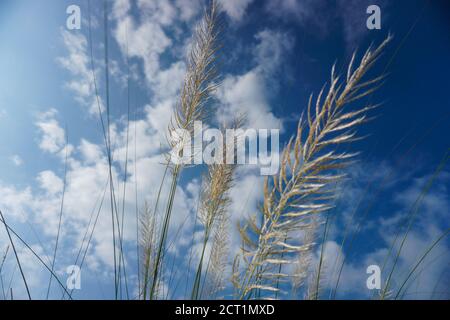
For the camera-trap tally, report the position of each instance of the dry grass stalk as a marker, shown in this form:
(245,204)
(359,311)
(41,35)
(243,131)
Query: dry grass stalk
(199,84)
(217,265)
(201,77)
(310,166)
(303,260)
(2,263)
(147,244)
(214,197)
(214,204)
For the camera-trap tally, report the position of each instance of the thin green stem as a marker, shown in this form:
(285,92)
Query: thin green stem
(444,234)
(412,215)
(161,245)
(16,255)
(60,216)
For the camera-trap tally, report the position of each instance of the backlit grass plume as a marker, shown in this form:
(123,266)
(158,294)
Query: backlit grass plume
(147,245)
(199,84)
(201,77)
(311,165)
(215,276)
(213,216)
(302,262)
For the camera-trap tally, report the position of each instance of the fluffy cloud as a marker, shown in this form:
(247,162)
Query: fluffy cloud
(77,62)
(87,190)
(90,152)
(389,229)
(249,94)
(321,17)
(87,179)
(235,8)
(16,160)
(246,95)
(149,40)
(271,50)
(354,16)
(146,41)
(161,12)
(50,182)
(15,202)
(121,8)
(167,83)
(315,13)
(53,136)
(188,9)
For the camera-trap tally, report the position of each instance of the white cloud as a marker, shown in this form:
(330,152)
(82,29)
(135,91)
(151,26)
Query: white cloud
(436,204)
(149,40)
(271,50)
(77,62)
(50,182)
(188,9)
(353,14)
(246,94)
(429,223)
(319,16)
(16,160)
(352,279)
(161,12)
(36,275)
(14,202)
(91,152)
(87,178)
(121,8)
(235,9)
(167,83)
(53,136)
(249,94)
(146,41)
(303,11)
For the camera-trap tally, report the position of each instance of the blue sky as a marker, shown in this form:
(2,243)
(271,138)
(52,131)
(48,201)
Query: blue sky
(275,54)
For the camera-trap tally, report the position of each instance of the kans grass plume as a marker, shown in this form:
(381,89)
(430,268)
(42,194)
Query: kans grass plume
(214,217)
(311,165)
(199,84)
